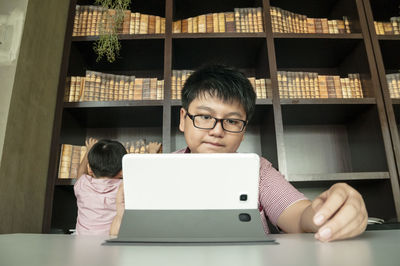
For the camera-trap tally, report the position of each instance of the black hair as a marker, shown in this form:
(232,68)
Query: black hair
(226,83)
(105,158)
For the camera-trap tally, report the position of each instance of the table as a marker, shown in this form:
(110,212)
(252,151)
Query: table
(380,247)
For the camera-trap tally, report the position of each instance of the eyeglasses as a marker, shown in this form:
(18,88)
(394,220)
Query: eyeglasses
(209,122)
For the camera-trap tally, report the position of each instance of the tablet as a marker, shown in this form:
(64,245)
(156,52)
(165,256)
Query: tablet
(191,198)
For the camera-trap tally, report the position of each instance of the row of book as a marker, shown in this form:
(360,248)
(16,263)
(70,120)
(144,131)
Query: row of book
(393,81)
(89,20)
(71,156)
(241,20)
(284,21)
(388,28)
(262,87)
(97,86)
(312,85)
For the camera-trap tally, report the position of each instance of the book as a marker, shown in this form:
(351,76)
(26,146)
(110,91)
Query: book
(153,88)
(160,89)
(260,19)
(202,28)
(137,23)
(230,25)
(176,27)
(137,95)
(158,25)
(209,23)
(215,22)
(237,20)
(127,22)
(221,22)
(152,24)
(190,25)
(184,26)
(144,24)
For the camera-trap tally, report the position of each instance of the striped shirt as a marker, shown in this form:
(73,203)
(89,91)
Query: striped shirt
(275,192)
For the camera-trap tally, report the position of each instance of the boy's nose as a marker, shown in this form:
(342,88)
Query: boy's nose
(217,130)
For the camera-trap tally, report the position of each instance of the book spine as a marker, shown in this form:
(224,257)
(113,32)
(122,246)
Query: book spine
(237,19)
(131,88)
(221,22)
(144,24)
(215,27)
(202,28)
(323,88)
(230,22)
(127,22)
(196,25)
(146,89)
(190,25)
(153,89)
(209,23)
(138,89)
(173,84)
(337,86)
(65,161)
(184,26)
(89,21)
(75,30)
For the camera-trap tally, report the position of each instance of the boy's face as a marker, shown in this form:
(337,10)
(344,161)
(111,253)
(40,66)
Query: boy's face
(215,140)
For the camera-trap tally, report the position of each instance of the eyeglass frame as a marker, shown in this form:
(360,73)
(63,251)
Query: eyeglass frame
(217,120)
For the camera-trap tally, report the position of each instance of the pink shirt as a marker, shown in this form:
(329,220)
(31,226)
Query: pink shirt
(275,192)
(96,199)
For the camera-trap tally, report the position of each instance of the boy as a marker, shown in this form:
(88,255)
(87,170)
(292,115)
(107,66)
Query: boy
(96,189)
(217,103)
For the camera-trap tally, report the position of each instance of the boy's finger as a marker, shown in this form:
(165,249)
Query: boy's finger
(335,199)
(349,221)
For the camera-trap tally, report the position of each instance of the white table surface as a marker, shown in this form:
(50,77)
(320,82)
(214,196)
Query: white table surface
(372,248)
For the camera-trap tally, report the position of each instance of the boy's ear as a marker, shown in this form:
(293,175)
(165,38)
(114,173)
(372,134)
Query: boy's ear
(90,172)
(182,120)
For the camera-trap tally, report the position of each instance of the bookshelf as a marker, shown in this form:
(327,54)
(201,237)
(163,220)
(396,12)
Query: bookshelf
(314,142)
(387,59)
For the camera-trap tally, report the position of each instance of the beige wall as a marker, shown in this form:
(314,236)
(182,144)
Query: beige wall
(31,105)
(7,68)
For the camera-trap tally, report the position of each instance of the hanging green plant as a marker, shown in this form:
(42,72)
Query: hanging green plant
(108,44)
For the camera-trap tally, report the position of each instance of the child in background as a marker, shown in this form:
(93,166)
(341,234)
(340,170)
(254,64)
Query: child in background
(100,174)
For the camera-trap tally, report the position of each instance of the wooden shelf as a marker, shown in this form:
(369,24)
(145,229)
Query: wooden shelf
(218,35)
(258,102)
(65,182)
(104,104)
(243,53)
(316,36)
(388,37)
(314,53)
(150,52)
(328,101)
(120,36)
(100,116)
(338,176)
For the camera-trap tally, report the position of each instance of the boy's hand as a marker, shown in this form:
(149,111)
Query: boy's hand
(340,212)
(120,201)
(90,142)
(153,147)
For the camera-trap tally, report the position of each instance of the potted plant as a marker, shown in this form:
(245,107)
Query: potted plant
(108,44)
